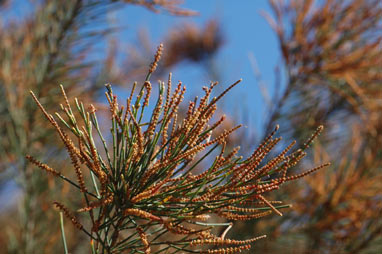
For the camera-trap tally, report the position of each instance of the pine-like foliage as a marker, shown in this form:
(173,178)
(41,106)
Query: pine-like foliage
(141,191)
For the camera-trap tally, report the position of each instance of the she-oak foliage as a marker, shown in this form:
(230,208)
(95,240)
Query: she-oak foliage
(142,193)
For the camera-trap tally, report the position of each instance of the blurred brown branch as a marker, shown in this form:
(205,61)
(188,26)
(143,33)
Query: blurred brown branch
(185,43)
(332,52)
(333,57)
(170,6)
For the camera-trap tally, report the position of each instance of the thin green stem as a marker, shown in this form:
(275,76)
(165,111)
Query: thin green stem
(63,233)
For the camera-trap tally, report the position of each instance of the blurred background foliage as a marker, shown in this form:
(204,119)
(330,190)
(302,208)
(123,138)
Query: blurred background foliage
(331,74)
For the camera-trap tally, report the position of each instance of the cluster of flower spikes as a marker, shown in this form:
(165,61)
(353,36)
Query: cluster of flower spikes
(147,184)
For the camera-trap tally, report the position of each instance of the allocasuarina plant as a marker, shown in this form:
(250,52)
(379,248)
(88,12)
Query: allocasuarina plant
(143,194)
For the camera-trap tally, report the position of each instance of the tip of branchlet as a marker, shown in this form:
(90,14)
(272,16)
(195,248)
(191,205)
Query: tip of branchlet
(313,137)
(318,131)
(277,127)
(157,57)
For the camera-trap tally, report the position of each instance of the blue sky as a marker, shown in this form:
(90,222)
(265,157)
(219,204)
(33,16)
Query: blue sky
(247,34)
